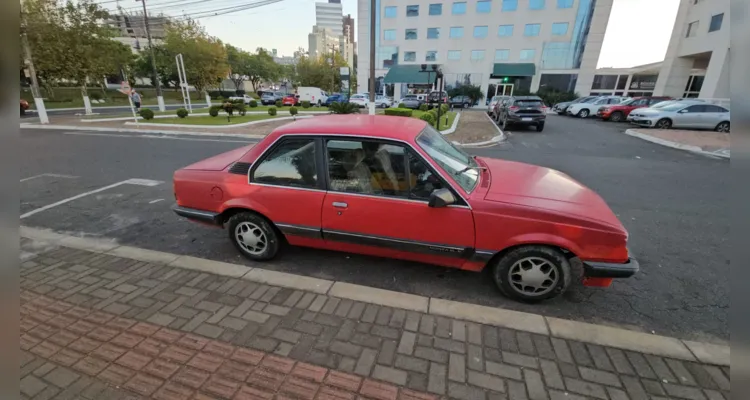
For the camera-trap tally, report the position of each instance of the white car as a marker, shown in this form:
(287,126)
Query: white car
(383,102)
(314,95)
(359,99)
(585,110)
(683,114)
(491,106)
(244,98)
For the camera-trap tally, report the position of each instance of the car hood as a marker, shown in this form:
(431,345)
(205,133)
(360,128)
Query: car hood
(221,161)
(564,104)
(548,189)
(648,112)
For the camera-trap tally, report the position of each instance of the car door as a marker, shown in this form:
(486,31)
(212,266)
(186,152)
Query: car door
(690,117)
(712,116)
(377,204)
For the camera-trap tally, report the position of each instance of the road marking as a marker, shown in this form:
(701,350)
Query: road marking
(134,181)
(51,175)
(155,201)
(157,137)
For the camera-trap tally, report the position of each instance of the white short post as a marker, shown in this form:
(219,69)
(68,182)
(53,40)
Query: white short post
(41,111)
(371,107)
(87,105)
(208,100)
(160,100)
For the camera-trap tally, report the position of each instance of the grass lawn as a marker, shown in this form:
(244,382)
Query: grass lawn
(283,111)
(219,120)
(443,123)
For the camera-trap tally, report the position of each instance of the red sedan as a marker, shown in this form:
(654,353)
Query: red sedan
(619,112)
(394,187)
(290,100)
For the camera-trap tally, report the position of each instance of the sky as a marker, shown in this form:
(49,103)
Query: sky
(638,31)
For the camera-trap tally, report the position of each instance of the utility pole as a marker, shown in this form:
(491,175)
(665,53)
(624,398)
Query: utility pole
(332,47)
(38,100)
(159,97)
(373,33)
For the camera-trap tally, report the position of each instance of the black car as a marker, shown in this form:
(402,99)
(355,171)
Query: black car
(522,110)
(461,101)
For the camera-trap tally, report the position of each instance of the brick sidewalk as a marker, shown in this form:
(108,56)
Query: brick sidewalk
(708,141)
(473,127)
(98,326)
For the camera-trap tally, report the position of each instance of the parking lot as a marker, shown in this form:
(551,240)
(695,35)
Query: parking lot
(673,204)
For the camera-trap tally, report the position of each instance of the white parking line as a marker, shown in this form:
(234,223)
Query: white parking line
(134,181)
(157,137)
(50,175)
(155,201)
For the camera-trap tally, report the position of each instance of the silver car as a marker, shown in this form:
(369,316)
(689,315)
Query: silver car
(683,114)
(412,101)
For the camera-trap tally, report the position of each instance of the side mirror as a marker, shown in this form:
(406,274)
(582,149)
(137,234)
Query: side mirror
(683,111)
(441,198)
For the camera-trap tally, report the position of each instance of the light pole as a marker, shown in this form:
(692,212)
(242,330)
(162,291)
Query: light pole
(159,97)
(373,33)
(438,81)
(35,93)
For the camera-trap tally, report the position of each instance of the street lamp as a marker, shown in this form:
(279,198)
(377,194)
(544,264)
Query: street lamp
(439,82)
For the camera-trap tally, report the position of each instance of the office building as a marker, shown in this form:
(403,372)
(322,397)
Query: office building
(330,15)
(490,43)
(321,41)
(348,27)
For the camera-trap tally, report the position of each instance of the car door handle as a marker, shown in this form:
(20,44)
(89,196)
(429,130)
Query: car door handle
(339,204)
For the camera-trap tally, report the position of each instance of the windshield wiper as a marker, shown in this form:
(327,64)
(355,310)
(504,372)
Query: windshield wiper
(468,168)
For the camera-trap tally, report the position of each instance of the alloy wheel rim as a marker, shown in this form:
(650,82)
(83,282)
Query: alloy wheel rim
(584,113)
(662,124)
(533,276)
(251,238)
(723,127)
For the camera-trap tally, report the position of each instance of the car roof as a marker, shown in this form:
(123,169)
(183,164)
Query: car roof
(527,97)
(385,126)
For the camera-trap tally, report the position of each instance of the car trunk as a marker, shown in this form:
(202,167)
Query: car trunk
(528,107)
(221,161)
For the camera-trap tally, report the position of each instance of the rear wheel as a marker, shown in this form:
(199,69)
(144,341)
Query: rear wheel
(616,116)
(664,123)
(466,105)
(253,236)
(583,113)
(723,127)
(540,127)
(532,273)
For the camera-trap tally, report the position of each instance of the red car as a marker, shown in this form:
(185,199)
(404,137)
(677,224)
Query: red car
(394,187)
(290,100)
(619,112)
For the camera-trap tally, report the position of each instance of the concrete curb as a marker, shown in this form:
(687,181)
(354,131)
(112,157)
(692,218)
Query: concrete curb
(262,121)
(500,137)
(674,145)
(453,125)
(194,115)
(572,330)
(151,131)
(110,107)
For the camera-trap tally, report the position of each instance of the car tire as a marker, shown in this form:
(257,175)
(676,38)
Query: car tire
(508,273)
(262,245)
(723,127)
(540,127)
(584,113)
(616,116)
(664,123)
(319,103)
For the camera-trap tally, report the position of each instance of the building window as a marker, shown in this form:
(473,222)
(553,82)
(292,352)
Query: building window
(505,30)
(532,29)
(459,8)
(457,32)
(410,34)
(528,54)
(431,55)
(410,56)
(454,54)
(716,21)
(480,31)
(564,3)
(560,29)
(622,82)
(412,11)
(510,5)
(692,29)
(389,34)
(477,55)
(433,33)
(536,4)
(502,55)
(390,12)
(436,9)
(484,7)
(604,82)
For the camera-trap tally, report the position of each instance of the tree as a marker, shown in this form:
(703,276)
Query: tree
(473,92)
(165,66)
(239,64)
(261,67)
(318,72)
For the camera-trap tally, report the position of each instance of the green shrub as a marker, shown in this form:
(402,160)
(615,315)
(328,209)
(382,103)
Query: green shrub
(182,113)
(240,108)
(96,95)
(424,107)
(428,117)
(305,104)
(293,110)
(278,105)
(343,108)
(399,112)
(146,113)
(401,105)
(443,108)
(253,103)
(214,111)
(272,110)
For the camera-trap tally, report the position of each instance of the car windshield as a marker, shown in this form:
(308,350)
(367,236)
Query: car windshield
(528,103)
(674,106)
(591,100)
(663,104)
(628,102)
(453,160)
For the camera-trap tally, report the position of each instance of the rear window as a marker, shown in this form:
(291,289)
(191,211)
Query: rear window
(528,103)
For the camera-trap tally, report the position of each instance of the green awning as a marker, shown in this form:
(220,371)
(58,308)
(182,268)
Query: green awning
(409,74)
(513,69)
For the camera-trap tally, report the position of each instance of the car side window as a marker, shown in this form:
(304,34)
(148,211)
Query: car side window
(715,109)
(696,108)
(422,181)
(290,163)
(641,102)
(367,167)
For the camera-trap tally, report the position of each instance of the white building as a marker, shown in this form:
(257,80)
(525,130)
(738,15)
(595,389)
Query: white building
(700,40)
(330,15)
(322,41)
(490,43)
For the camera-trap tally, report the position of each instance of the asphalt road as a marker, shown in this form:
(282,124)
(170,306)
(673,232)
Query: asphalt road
(673,203)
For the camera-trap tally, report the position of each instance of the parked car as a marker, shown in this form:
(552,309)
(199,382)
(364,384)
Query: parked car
(412,101)
(245,98)
(522,110)
(436,97)
(662,104)
(461,101)
(270,98)
(526,223)
(492,103)
(314,95)
(290,100)
(684,114)
(360,99)
(561,108)
(24,106)
(336,97)
(383,101)
(585,110)
(620,112)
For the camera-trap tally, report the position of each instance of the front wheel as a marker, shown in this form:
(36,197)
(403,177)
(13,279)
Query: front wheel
(253,236)
(466,105)
(532,273)
(723,127)
(583,113)
(616,116)
(663,123)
